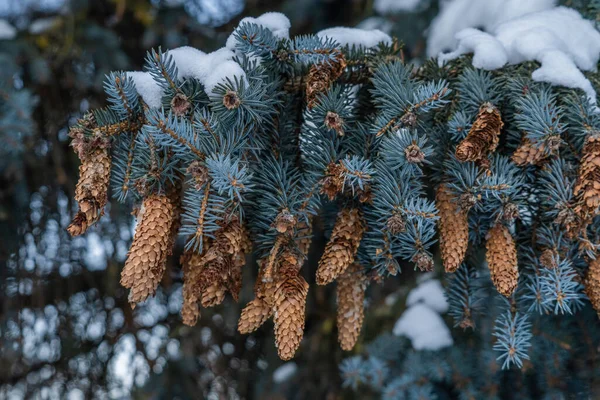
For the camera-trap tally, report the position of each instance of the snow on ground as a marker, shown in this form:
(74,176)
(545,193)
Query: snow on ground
(395,6)
(357,37)
(457,15)
(424,327)
(429,293)
(560,39)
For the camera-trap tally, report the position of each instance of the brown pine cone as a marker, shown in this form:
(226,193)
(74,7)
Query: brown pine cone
(289,314)
(321,77)
(484,135)
(192,270)
(453,226)
(92,190)
(529,154)
(254,315)
(147,257)
(501,256)
(213,295)
(351,286)
(587,188)
(592,284)
(342,247)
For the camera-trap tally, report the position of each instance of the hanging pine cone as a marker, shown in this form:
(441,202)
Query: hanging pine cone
(592,284)
(192,269)
(147,257)
(321,77)
(453,226)
(484,135)
(351,286)
(219,269)
(501,256)
(587,188)
(304,236)
(260,309)
(341,249)
(289,310)
(92,190)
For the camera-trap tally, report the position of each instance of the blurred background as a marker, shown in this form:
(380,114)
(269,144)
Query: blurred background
(66,328)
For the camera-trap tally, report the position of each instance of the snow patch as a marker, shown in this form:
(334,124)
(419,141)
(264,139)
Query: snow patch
(395,6)
(211,69)
(457,15)
(42,25)
(376,23)
(560,39)
(357,37)
(276,22)
(7,31)
(424,327)
(147,87)
(429,293)
(284,372)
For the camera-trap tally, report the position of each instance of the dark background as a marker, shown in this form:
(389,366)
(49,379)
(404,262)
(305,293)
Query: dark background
(66,328)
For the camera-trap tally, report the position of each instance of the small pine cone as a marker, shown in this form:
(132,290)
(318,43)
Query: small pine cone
(213,295)
(529,154)
(351,287)
(342,247)
(333,183)
(92,190)
(233,282)
(254,315)
(289,314)
(321,77)
(192,270)
(587,188)
(146,261)
(501,256)
(483,137)
(453,225)
(592,284)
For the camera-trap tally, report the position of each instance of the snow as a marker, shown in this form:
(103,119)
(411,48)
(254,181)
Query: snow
(429,293)
(376,23)
(7,31)
(276,22)
(357,37)
(147,88)
(284,372)
(457,15)
(395,6)
(211,69)
(560,39)
(424,327)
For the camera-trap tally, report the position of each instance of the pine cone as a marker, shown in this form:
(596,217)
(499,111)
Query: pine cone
(305,236)
(484,135)
(501,256)
(213,295)
(453,226)
(587,188)
(321,77)
(592,284)
(92,190)
(254,315)
(289,314)
(529,154)
(192,270)
(146,261)
(342,247)
(351,287)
